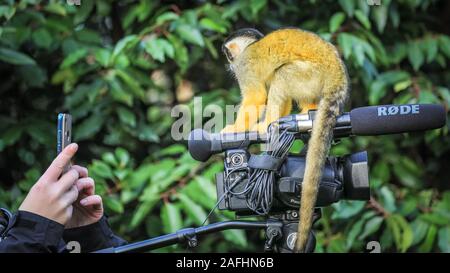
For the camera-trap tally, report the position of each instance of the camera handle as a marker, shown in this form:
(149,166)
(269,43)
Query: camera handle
(281,233)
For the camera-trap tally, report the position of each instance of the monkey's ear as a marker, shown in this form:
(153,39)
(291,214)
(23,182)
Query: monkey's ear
(232,50)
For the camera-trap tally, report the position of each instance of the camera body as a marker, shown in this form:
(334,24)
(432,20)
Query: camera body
(343,177)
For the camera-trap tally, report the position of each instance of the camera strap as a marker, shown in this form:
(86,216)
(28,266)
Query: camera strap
(265,162)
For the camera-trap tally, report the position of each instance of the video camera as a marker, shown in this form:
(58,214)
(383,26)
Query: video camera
(343,177)
(269,184)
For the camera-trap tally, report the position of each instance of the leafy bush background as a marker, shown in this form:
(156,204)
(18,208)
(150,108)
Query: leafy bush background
(120,66)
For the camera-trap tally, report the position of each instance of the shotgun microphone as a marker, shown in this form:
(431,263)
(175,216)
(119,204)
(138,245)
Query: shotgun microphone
(394,119)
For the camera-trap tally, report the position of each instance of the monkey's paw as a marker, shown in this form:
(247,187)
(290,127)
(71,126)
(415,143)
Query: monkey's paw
(232,129)
(260,128)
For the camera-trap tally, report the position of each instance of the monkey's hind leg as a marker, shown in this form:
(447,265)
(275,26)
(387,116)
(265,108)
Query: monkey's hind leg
(287,108)
(278,104)
(251,109)
(307,107)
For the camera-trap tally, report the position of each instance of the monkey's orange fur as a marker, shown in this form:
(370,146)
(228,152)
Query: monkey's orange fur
(282,61)
(294,65)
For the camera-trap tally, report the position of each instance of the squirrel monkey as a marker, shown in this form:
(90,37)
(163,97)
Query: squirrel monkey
(295,65)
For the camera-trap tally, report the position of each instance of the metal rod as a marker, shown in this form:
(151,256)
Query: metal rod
(180,236)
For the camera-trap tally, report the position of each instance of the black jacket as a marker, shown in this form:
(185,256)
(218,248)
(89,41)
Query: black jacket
(29,232)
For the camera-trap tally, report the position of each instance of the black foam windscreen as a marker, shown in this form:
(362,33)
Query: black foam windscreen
(199,145)
(392,119)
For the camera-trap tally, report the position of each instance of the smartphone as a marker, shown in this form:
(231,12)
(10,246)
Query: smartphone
(64,134)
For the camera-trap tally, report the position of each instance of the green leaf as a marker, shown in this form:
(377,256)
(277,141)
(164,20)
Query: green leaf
(388,199)
(348,6)
(142,211)
(426,96)
(110,159)
(190,34)
(165,17)
(124,43)
(400,86)
(371,226)
(346,43)
(159,48)
(420,229)
(83,11)
(354,231)
(118,93)
(377,91)
(147,133)
(181,52)
(347,209)
(132,84)
(15,57)
(193,210)
(7,11)
(56,8)
(381,170)
(444,239)
(171,218)
(103,56)
(89,127)
(123,156)
(363,19)
(114,205)
(430,238)
(212,25)
(172,150)
(408,173)
(126,116)
(336,21)
(394,76)
(434,218)
(380,16)
(101,169)
(141,175)
(236,236)
(444,45)
(163,169)
(430,46)
(74,57)
(403,234)
(256,6)
(202,193)
(42,38)
(11,135)
(33,75)
(415,55)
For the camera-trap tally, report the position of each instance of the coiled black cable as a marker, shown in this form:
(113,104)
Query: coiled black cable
(259,188)
(258,191)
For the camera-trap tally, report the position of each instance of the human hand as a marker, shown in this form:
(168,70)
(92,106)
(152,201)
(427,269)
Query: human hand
(52,196)
(88,208)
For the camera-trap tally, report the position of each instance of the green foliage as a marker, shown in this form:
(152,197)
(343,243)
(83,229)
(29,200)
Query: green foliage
(120,66)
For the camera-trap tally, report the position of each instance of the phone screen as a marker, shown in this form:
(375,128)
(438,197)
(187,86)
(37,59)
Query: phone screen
(64,133)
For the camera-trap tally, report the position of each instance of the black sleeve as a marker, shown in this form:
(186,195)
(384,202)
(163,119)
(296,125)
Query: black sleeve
(93,237)
(29,232)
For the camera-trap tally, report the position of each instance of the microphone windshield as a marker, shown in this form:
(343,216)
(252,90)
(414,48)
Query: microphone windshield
(199,145)
(393,119)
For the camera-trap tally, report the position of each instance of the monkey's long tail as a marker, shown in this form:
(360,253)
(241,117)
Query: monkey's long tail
(318,148)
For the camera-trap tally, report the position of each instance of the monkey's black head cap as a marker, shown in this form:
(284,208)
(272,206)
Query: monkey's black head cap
(243,32)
